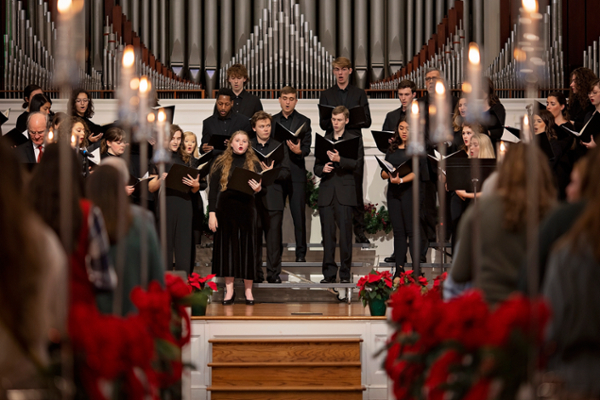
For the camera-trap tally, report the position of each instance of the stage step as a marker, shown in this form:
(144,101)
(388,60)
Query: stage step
(286,369)
(423,265)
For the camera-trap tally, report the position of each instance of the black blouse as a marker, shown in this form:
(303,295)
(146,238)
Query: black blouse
(238,160)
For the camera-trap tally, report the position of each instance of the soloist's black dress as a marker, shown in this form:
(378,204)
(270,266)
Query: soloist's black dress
(237,245)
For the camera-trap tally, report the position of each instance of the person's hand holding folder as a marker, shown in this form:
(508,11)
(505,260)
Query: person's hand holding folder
(191,182)
(334,155)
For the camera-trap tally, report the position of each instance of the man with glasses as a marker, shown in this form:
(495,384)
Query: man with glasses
(32,151)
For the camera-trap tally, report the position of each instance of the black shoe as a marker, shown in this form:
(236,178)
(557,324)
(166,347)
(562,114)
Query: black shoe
(230,301)
(249,302)
(345,280)
(361,238)
(325,280)
(300,259)
(258,280)
(390,259)
(276,280)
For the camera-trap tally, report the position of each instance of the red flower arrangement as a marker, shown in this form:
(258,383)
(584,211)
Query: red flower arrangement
(375,285)
(457,349)
(141,353)
(199,283)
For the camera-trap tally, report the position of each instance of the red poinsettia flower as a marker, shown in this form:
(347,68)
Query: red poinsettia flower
(402,302)
(197,281)
(466,320)
(438,374)
(479,390)
(177,287)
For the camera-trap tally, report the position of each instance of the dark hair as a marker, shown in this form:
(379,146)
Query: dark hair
(113,134)
(36,103)
(22,261)
(396,139)
(407,84)
(27,93)
(44,191)
(173,129)
(583,80)
(66,128)
(89,112)
(548,119)
(58,118)
(488,88)
(226,92)
(562,100)
(258,116)
(106,189)
(457,120)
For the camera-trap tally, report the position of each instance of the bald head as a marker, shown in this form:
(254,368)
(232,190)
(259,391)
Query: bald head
(37,127)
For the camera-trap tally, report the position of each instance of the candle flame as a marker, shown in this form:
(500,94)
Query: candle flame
(144,84)
(128,56)
(63,6)
(439,88)
(50,136)
(151,118)
(415,107)
(474,57)
(502,147)
(526,120)
(162,116)
(73,140)
(530,5)
(466,87)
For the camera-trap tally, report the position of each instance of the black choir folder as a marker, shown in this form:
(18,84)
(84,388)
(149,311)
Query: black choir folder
(591,128)
(176,175)
(282,134)
(382,139)
(274,155)
(240,177)
(348,148)
(357,114)
(218,141)
(468,173)
(401,170)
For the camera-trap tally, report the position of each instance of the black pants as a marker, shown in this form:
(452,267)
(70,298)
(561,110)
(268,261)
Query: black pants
(296,191)
(340,215)
(269,223)
(400,207)
(358,212)
(429,214)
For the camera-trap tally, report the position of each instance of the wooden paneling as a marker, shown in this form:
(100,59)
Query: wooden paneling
(286,376)
(288,395)
(298,352)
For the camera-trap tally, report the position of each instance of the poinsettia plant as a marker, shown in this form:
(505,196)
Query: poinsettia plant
(407,278)
(375,285)
(200,284)
(461,349)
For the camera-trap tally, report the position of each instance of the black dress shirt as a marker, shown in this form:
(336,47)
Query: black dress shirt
(246,104)
(224,126)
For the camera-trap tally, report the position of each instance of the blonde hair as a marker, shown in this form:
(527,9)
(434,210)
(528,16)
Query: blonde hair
(225,160)
(486,149)
(195,152)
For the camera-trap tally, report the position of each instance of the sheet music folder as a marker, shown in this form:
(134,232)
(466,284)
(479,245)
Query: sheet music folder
(401,170)
(459,173)
(382,139)
(176,175)
(357,114)
(348,148)
(240,177)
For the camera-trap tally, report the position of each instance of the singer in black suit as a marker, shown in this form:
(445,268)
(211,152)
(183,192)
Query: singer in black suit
(407,91)
(342,93)
(32,150)
(295,188)
(336,199)
(223,122)
(244,103)
(270,201)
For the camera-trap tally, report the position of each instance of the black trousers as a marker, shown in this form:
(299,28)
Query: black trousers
(358,212)
(296,191)
(429,214)
(269,224)
(331,216)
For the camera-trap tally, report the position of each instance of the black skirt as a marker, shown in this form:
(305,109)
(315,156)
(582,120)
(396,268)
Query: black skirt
(236,247)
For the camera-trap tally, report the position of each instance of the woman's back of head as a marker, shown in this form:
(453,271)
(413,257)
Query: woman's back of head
(514,175)
(106,189)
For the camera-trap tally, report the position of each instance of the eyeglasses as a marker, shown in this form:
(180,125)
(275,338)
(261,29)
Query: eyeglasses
(84,101)
(431,78)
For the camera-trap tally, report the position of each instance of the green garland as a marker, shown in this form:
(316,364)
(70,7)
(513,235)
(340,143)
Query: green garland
(312,191)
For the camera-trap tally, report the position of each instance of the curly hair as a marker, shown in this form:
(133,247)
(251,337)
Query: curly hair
(65,130)
(89,112)
(224,161)
(583,79)
(512,186)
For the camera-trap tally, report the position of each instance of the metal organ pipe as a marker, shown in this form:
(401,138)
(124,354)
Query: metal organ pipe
(154,32)
(327,24)
(194,40)
(377,39)
(177,16)
(345,29)
(164,55)
(226,34)
(396,37)
(428,19)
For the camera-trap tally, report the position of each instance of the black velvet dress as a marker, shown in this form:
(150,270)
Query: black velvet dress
(237,245)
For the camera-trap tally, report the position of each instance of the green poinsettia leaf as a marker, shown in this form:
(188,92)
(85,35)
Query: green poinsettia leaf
(167,350)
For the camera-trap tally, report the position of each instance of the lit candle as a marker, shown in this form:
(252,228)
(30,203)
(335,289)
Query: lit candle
(128,86)
(473,85)
(416,142)
(526,131)
(144,88)
(442,117)
(501,151)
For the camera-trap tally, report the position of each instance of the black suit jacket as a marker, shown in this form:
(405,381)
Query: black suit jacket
(25,153)
(271,196)
(392,119)
(355,97)
(297,164)
(341,180)
(232,123)
(245,104)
